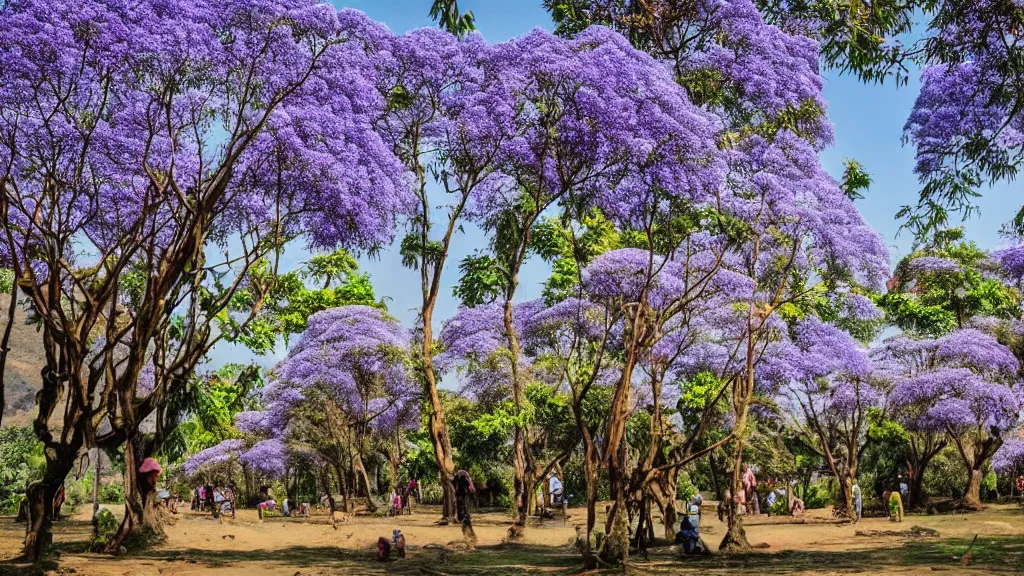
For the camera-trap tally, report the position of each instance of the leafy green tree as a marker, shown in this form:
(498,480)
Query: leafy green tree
(941,285)
(324,281)
(220,395)
(446,14)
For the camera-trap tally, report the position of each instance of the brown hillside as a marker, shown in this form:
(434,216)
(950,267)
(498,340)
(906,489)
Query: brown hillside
(24,364)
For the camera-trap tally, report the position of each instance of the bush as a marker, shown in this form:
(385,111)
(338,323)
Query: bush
(431,493)
(945,477)
(112,493)
(21,462)
(818,495)
(104,530)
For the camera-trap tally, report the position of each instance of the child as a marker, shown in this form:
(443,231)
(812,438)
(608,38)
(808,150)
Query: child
(396,504)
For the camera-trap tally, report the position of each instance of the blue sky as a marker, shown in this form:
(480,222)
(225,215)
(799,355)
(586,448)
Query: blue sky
(868,121)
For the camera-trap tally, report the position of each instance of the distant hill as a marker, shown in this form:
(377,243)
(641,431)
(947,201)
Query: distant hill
(24,364)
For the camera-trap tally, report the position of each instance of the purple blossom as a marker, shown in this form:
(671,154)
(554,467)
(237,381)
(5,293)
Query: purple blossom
(933,265)
(223,452)
(1011,260)
(1009,459)
(267,457)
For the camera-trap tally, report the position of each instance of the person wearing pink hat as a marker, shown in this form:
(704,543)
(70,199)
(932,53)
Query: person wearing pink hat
(149,472)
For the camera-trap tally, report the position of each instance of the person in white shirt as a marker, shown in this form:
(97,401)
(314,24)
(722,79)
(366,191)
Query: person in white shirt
(555,487)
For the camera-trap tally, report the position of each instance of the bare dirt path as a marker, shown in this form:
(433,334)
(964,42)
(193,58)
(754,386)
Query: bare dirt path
(811,546)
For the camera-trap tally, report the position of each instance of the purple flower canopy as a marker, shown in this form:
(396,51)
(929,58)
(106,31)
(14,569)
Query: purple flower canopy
(1009,459)
(267,457)
(1011,260)
(357,354)
(223,452)
(933,265)
(963,381)
(162,86)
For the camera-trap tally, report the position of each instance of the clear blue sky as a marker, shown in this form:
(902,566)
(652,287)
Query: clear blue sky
(868,121)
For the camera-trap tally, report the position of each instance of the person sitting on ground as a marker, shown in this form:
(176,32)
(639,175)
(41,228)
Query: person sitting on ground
(689,537)
(797,508)
(398,542)
(383,549)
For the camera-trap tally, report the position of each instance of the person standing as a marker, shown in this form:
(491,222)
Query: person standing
(414,490)
(463,488)
(750,487)
(895,506)
(858,502)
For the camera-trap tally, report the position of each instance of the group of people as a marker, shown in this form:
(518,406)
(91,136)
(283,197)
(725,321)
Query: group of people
(748,500)
(219,500)
(402,497)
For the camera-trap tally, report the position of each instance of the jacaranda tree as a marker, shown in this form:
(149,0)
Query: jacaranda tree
(153,156)
(960,389)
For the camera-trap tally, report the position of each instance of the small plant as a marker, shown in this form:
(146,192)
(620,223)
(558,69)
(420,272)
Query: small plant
(104,530)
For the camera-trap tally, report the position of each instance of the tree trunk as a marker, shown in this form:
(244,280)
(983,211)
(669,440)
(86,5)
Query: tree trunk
(357,464)
(438,431)
(39,498)
(615,547)
(325,480)
(96,484)
(972,494)
(671,517)
(735,539)
(522,481)
(5,343)
(916,486)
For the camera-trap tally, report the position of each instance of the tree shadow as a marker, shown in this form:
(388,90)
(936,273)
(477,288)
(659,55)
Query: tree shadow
(995,554)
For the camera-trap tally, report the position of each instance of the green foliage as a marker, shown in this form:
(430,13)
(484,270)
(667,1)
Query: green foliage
(818,496)
(325,281)
(219,396)
(855,180)
(6,280)
(21,462)
(482,280)
(569,248)
(473,440)
(105,528)
(853,34)
(933,303)
(446,14)
(945,476)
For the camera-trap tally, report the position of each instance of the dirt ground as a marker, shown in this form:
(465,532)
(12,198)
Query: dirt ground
(812,545)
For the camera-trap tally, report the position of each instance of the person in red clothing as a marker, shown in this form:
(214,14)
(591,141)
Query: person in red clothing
(414,490)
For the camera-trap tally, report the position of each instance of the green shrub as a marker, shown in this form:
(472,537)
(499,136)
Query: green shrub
(780,508)
(818,496)
(945,477)
(104,530)
(112,493)
(431,493)
(6,280)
